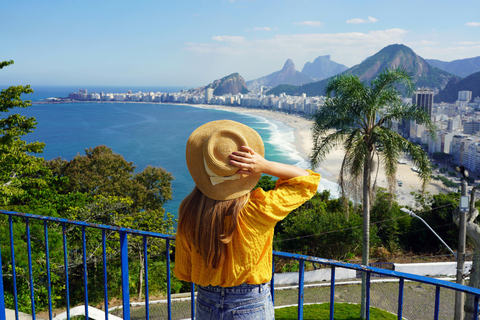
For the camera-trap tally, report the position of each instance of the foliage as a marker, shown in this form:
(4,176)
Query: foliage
(451,173)
(343,311)
(442,156)
(437,212)
(446,182)
(266,183)
(392,225)
(17,161)
(316,227)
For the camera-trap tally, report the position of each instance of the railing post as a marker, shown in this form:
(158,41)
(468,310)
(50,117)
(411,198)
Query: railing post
(14,268)
(192,302)
(145,262)
(104,258)
(47,261)
(30,268)
(169,293)
(3,315)
(272,282)
(65,262)
(85,271)
(437,303)
(301,279)
(125,284)
(332,293)
(400,298)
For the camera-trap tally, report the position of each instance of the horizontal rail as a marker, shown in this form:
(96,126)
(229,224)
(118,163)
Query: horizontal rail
(384,272)
(87,224)
(124,265)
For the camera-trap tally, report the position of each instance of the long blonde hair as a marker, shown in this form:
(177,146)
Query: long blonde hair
(202,221)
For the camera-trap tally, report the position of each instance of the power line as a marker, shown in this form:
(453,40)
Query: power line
(373,223)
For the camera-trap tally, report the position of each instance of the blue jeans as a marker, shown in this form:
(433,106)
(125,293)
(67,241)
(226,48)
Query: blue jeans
(243,302)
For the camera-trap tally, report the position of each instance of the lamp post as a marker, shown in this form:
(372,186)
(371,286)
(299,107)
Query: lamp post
(410,213)
(458,299)
(462,234)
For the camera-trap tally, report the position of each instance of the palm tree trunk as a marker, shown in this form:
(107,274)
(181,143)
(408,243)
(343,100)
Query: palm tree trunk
(366,232)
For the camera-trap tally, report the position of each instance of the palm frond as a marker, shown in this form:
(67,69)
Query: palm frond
(322,145)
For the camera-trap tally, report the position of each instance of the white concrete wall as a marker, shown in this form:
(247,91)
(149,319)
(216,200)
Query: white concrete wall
(291,278)
(431,269)
(422,269)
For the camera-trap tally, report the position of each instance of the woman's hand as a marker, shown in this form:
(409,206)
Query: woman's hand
(248,161)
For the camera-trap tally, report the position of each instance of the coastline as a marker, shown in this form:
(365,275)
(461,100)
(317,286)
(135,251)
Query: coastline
(331,165)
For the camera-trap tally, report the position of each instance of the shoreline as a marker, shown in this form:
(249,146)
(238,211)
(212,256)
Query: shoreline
(331,165)
(333,161)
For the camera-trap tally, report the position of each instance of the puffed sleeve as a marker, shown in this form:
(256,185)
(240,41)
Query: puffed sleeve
(267,208)
(183,264)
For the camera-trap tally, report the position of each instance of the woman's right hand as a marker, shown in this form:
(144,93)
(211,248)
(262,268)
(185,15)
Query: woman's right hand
(251,162)
(248,161)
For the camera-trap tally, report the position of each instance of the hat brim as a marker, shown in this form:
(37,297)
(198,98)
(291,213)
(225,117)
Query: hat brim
(230,189)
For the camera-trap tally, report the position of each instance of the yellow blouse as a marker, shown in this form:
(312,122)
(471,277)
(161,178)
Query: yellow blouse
(249,254)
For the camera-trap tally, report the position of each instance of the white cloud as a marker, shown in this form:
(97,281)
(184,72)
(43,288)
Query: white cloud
(468,43)
(359,20)
(309,23)
(232,39)
(262,29)
(473,24)
(254,58)
(459,50)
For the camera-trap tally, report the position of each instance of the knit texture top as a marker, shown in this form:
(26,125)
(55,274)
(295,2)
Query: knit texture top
(249,254)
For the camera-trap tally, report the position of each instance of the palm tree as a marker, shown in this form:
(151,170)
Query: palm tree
(359,118)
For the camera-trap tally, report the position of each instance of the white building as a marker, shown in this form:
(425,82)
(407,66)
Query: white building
(465,96)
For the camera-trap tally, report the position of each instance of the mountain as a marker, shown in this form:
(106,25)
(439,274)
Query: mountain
(450,92)
(322,67)
(288,75)
(392,56)
(231,84)
(462,67)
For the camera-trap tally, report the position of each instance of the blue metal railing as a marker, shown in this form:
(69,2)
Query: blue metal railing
(124,233)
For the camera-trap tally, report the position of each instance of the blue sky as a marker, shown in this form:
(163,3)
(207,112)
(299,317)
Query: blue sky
(192,43)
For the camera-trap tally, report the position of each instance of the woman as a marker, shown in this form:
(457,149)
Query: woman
(225,230)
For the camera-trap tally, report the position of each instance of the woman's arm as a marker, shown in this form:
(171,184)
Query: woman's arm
(251,162)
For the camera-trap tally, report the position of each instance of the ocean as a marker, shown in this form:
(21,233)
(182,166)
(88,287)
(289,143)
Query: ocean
(144,133)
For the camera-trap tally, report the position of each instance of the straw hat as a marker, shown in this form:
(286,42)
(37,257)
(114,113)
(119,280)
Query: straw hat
(208,151)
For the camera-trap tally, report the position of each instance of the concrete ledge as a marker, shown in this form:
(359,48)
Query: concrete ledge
(290,278)
(431,269)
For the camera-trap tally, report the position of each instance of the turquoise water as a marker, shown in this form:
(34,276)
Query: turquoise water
(144,133)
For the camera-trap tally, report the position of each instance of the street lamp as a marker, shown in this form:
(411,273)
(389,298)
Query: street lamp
(462,235)
(410,213)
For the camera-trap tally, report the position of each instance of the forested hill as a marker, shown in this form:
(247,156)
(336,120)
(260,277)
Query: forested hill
(392,56)
(461,67)
(231,84)
(450,93)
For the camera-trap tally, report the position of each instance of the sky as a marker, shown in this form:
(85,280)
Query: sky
(194,42)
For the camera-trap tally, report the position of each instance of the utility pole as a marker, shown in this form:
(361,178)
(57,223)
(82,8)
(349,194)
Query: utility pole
(464,205)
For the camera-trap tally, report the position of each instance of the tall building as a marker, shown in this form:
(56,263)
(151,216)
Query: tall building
(465,96)
(424,99)
(209,95)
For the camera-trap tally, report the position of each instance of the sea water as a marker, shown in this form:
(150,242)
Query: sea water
(144,133)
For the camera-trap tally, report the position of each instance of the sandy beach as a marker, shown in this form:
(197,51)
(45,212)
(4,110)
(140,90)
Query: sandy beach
(332,163)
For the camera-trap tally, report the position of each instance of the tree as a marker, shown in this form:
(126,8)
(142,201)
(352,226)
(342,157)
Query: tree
(16,159)
(361,118)
(102,173)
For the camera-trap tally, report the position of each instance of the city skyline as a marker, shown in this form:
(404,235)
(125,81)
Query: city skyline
(192,43)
